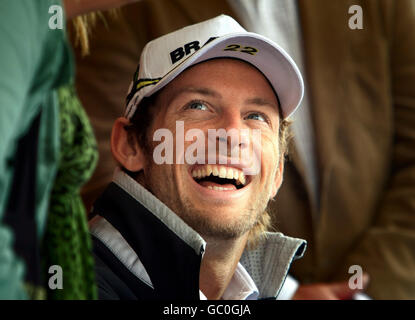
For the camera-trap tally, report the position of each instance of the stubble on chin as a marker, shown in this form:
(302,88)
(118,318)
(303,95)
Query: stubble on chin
(201,220)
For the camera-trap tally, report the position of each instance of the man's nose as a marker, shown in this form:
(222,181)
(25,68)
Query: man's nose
(231,119)
(232,131)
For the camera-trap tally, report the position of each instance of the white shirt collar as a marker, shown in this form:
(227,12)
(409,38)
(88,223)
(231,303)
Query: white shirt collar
(241,287)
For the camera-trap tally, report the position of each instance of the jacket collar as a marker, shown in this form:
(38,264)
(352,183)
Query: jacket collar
(160,210)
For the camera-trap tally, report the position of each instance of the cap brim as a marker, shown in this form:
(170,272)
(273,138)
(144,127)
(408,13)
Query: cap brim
(275,64)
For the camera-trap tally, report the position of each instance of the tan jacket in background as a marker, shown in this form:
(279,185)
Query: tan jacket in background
(362,96)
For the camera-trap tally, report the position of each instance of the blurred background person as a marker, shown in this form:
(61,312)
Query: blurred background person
(349,185)
(47,151)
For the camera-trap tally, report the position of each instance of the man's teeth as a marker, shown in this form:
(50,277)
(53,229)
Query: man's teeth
(219,188)
(221,172)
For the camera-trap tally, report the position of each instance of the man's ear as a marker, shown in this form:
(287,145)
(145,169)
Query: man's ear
(125,147)
(278,177)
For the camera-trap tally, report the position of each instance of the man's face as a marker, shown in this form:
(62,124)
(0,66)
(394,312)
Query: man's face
(218,94)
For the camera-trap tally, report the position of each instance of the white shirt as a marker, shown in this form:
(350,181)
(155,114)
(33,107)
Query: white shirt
(241,287)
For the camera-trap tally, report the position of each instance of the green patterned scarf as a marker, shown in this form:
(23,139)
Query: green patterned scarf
(67,241)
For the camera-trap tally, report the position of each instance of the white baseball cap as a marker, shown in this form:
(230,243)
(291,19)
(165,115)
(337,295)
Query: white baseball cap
(164,58)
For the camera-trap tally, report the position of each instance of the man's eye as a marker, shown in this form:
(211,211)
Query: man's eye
(256,116)
(197,106)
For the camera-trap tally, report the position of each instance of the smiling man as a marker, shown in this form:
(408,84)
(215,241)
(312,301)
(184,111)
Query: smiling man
(196,229)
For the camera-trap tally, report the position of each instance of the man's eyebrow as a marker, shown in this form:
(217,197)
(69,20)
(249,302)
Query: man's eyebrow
(212,93)
(200,90)
(262,102)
